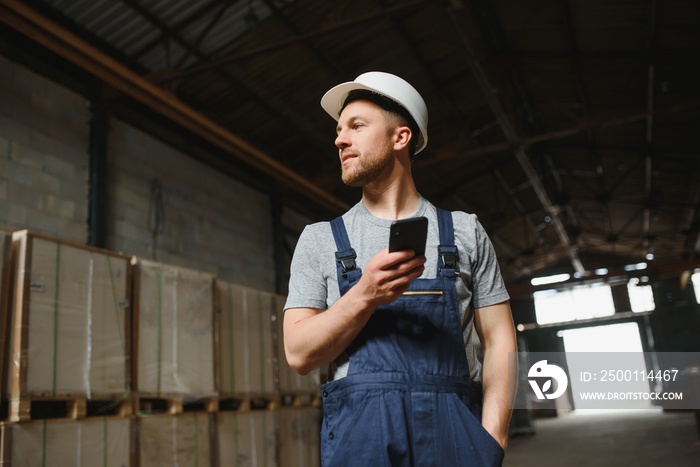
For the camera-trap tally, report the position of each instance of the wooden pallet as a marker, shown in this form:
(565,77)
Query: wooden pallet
(72,407)
(301,400)
(248,403)
(173,404)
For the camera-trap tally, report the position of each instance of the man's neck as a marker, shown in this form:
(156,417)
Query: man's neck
(397,200)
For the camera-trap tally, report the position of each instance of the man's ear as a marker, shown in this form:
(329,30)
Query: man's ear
(402,137)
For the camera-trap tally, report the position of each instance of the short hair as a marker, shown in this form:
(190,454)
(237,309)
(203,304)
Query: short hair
(388,105)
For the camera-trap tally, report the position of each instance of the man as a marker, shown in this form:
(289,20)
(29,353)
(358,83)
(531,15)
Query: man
(405,385)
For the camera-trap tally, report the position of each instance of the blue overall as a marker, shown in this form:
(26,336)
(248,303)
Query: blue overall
(408,399)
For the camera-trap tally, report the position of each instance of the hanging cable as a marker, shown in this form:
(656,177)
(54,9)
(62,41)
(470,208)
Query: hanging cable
(156,216)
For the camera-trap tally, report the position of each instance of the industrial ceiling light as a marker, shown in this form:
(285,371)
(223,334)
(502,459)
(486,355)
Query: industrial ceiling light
(550,279)
(635,267)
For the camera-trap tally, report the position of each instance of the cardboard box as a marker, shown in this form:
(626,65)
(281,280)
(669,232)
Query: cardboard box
(70,320)
(247,439)
(291,382)
(51,443)
(174,440)
(245,350)
(174,331)
(299,437)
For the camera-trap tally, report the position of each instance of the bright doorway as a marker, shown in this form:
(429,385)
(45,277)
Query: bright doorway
(623,337)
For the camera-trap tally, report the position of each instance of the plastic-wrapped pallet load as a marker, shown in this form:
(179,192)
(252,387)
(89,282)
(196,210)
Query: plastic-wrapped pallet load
(174,440)
(291,382)
(59,443)
(247,439)
(69,323)
(245,350)
(5,275)
(173,331)
(299,437)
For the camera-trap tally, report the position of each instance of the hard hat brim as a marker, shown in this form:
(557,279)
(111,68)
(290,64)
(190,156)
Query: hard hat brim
(333,100)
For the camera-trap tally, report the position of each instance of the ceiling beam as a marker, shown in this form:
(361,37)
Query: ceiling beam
(296,31)
(671,269)
(47,33)
(235,74)
(583,125)
(651,83)
(576,57)
(502,59)
(519,151)
(165,35)
(584,99)
(493,35)
(301,39)
(204,33)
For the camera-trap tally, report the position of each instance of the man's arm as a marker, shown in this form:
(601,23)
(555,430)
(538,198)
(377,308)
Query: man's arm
(494,324)
(314,337)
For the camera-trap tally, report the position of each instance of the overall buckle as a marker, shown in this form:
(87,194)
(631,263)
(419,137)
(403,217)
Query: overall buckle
(346,258)
(449,256)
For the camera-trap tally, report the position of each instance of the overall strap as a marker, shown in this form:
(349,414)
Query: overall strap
(345,256)
(448,256)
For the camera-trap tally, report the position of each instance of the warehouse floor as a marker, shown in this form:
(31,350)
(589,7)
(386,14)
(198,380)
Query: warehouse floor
(609,439)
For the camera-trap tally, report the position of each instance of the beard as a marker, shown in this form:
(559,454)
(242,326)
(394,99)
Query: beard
(367,168)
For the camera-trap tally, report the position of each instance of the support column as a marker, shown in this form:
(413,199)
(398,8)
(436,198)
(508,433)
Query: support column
(97,195)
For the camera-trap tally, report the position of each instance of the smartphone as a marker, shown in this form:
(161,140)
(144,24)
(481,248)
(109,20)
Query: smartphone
(409,234)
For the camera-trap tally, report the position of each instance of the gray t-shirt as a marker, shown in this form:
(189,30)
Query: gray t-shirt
(314,283)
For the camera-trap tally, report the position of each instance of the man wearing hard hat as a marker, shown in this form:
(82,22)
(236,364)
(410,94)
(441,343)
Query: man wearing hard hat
(397,330)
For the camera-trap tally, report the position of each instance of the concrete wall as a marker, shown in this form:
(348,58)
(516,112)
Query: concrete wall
(43,155)
(210,222)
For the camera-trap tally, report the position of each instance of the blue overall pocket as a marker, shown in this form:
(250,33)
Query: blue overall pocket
(472,444)
(351,435)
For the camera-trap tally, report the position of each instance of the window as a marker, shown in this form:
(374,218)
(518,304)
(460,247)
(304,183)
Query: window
(582,302)
(641,296)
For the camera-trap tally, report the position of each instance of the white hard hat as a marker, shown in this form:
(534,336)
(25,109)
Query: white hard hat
(388,85)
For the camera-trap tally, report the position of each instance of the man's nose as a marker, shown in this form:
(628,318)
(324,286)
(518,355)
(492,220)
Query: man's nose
(341,141)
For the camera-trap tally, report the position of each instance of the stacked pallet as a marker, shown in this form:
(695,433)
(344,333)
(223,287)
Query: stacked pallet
(296,390)
(66,377)
(95,441)
(182,439)
(173,334)
(117,360)
(245,353)
(69,328)
(299,442)
(247,438)
(299,416)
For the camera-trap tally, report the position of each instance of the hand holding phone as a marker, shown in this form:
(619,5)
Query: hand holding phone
(409,234)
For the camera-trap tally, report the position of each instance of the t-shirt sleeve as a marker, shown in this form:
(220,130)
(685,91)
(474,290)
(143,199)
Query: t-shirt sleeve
(487,286)
(307,285)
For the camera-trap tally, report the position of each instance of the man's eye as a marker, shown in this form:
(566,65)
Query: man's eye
(357,125)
